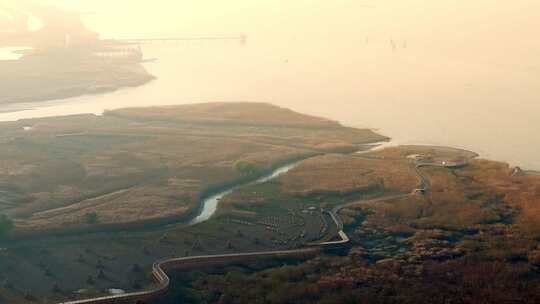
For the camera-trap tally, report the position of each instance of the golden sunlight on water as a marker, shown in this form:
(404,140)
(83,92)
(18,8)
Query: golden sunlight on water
(460,73)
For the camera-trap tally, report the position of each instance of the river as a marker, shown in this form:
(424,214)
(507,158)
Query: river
(457,73)
(210,204)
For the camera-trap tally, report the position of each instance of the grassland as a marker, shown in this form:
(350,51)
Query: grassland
(130,169)
(135,165)
(471,238)
(325,181)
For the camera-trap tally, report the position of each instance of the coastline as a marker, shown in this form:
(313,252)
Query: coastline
(112,78)
(186,261)
(160,267)
(77,92)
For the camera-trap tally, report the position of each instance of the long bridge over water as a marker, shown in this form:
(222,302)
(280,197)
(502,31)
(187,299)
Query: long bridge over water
(242,39)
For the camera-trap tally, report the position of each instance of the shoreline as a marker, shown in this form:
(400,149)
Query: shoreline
(41,75)
(387,142)
(73,93)
(139,226)
(137,76)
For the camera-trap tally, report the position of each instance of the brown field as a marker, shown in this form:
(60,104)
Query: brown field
(348,173)
(258,114)
(477,219)
(151,163)
(481,207)
(472,238)
(324,181)
(473,219)
(129,169)
(433,152)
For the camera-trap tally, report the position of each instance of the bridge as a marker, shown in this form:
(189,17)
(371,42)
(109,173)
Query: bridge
(163,281)
(242,39)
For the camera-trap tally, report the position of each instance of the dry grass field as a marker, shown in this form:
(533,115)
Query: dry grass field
(475,222)
(477,219)
(471,238)
(324,181)
(430,152)
(87,173)
(348,173)
(483,207)
(150,163)
(258,114)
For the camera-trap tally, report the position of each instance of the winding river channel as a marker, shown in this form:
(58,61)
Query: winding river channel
(160,267)
(210,204)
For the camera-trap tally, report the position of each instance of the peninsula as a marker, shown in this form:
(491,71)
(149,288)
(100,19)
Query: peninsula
(64,59)
(100,208)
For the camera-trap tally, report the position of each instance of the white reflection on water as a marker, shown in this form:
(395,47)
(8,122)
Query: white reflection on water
(11,52)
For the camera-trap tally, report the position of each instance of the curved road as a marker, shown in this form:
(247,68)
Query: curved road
(163,281)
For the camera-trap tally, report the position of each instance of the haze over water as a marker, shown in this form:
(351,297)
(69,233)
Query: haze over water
(459,73)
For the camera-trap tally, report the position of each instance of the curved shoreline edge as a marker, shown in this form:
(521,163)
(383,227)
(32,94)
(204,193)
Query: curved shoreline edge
(31,102)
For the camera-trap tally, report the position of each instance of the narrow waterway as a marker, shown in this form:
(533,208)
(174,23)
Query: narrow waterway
(210,204)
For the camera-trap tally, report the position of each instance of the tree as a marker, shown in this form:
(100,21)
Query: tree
(6,224)
(245,167)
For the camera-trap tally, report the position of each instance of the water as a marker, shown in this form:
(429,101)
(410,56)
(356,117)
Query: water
(458,73)
(210,204)
(10,53)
